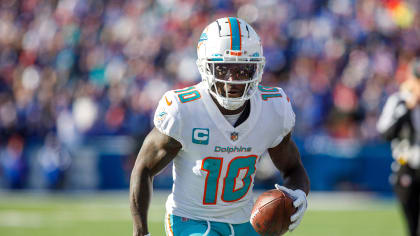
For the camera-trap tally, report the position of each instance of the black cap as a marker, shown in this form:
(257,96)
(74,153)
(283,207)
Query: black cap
(416,67)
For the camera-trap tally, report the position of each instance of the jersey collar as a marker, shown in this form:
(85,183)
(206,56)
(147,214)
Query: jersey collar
(224,126)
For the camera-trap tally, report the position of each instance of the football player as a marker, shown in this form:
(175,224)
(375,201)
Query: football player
(216,132)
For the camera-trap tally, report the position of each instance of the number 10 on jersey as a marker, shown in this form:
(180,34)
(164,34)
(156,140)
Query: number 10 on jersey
(213,167)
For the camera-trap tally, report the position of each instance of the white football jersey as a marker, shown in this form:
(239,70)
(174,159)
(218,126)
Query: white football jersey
(214,171)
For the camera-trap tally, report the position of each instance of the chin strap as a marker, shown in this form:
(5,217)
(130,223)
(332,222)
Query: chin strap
(229,105)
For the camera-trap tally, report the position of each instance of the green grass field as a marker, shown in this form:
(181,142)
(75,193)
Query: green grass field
(104,214)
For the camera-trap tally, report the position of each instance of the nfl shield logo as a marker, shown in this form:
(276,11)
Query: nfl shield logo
(234,136)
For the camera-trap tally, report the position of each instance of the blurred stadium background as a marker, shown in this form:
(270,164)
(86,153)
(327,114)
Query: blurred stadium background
(80,79)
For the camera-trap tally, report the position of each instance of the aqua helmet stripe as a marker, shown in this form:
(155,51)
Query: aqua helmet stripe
(235,33)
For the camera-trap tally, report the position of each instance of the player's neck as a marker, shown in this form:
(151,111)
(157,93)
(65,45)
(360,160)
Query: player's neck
(225,111)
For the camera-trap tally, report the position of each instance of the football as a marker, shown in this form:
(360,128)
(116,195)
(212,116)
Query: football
(271,213)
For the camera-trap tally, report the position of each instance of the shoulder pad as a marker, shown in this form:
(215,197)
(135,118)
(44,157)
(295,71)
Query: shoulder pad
(284,108)
(277,99)
(167,118)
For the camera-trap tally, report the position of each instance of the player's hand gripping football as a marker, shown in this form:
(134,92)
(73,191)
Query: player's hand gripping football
(299,201)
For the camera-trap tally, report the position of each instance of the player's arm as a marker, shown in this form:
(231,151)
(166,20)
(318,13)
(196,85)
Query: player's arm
(157,151)
(394,114)
(286,158)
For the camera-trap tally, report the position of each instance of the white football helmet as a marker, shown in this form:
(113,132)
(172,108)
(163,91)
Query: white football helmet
(226,44)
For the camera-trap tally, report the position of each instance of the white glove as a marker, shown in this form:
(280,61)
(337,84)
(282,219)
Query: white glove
(299,201)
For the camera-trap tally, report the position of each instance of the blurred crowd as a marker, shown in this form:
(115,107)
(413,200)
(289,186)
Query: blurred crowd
(74,69)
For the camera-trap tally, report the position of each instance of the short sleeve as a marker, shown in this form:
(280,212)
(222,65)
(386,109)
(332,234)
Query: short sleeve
(167,118)
(286,117)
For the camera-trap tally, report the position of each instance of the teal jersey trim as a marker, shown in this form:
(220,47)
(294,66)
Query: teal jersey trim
(265,97)
(184,90)
(267,89)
